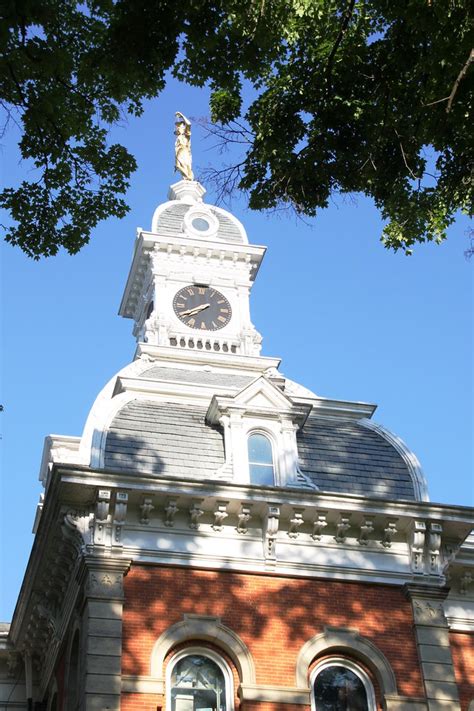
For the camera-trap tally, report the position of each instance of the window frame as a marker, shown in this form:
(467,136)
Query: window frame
(353,667)
(271,439)
(214,657)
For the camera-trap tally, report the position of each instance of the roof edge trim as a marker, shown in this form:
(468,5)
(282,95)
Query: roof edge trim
(411,460)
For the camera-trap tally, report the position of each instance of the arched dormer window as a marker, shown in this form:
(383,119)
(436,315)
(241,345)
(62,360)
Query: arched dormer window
(199,681)
(261,466)
(340,685)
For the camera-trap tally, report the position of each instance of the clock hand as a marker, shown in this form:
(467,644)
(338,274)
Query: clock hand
(195,310)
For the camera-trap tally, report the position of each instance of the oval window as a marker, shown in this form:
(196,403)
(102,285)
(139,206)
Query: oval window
(261,468)
(199,223)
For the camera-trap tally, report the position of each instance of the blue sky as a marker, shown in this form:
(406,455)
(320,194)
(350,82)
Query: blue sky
(349,319)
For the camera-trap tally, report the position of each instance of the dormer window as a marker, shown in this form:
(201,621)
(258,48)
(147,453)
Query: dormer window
(261,467)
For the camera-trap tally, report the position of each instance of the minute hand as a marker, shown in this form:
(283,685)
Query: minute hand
(195,310)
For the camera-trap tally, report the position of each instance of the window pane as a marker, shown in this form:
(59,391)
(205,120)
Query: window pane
(260,450)
(338,689)
(197,684)
(261,474)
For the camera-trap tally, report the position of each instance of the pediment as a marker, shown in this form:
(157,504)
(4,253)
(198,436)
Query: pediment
(262,393)
(262,398)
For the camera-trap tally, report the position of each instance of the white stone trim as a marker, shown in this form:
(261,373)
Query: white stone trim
(404,703)
(354,668)
(350,642)
(207,629)
(203,212)
(274,694)
(414,467)
(141,684)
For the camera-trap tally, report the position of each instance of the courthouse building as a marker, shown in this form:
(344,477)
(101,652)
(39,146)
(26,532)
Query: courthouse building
(220,538)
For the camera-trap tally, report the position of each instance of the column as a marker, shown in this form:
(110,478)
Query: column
(434,652)
(102,627)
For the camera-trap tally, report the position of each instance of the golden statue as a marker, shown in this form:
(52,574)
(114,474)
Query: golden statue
(182,146)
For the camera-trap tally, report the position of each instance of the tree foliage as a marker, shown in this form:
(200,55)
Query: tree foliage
(351,96)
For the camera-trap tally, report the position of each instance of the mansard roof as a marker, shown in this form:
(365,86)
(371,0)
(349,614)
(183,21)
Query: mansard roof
(158,424)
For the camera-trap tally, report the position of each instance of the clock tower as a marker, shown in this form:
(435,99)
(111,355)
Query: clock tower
(191,276)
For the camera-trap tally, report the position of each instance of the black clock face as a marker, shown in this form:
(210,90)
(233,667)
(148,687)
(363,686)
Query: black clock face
(202,307)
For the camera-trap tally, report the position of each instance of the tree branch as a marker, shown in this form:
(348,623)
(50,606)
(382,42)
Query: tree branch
(460,76)
(344,25)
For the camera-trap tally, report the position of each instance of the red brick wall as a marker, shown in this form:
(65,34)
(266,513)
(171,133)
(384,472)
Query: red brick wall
(273,615)
(462,649)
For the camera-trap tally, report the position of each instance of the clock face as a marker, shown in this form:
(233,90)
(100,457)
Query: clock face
(202,307)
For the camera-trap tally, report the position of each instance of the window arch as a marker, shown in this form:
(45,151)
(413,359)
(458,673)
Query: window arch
(197,679)
(337,684)
(260,458)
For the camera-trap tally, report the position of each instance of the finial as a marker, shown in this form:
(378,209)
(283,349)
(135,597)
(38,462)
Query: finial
(182,146)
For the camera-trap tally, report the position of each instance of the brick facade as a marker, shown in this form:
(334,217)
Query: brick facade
(462,649)
(273,615)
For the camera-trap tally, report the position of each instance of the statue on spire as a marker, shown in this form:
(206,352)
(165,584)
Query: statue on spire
(182,146)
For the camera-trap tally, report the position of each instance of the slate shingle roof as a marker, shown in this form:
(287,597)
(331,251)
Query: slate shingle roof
(200,377)
(170,221)
(164,439)
(347,457)
(169,439)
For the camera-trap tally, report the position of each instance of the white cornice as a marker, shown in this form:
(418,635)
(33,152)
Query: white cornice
(237,364)
(452,516)
(148,242)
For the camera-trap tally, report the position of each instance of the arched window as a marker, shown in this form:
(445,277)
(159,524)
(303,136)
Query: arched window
(198,680)
(340,685)
(261,467)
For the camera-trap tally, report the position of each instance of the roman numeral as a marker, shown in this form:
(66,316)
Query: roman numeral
(190,292)
(201,289)
(224,311)
(191,322)
(221,319)
(203,325)
(180,306)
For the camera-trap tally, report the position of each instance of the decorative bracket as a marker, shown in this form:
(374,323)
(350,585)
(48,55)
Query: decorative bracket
(319,524)
(465,581)
(120,514)
(341,529)
(146,507)
(417,545)
(220,514)
(171,509)
(270,530)
(102,508)
(365,530)
(295,523)
(434,546)
(389,533)
(195,513)
(244,517)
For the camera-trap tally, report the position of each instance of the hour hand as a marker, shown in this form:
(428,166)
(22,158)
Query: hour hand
(195,310)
